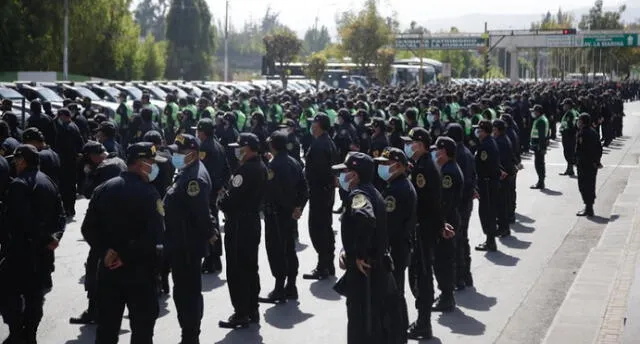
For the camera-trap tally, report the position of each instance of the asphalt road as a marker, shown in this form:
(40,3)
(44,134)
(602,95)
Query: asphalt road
(518,289)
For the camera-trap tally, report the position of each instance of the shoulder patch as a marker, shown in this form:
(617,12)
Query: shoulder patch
(447,182)
(270,174)
(160,207)
(193,188)
(420,181)
(483,155)
(236,181)
(359,201)
(390,202)
(202,155)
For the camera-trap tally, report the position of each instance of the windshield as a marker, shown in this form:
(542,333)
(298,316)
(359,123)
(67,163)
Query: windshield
(7,93)
(86,93)
(181,93)
(157,92)
(113,92)
(48,94)
(135,93)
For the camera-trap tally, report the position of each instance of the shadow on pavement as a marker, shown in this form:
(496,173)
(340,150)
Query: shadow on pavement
(212,281)
(501,258)
(461,323)
(241,336)
(602,220)
(301,247)
(524,218)
(324,289)
(513,242)
(550,192)
(471,299)
(163,305)
(520,228)
(87,335)
(286,316)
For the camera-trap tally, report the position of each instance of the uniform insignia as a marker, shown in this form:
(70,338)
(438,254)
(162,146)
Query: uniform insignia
(447,182)
(193,188)
(202,155)
(270,174)
(236,181)
(153,149)
(180,139)
(376,153)
(411,133)
(160,207)
(289,146)
(483,155)
(390,204)
(420,181)
(359,201)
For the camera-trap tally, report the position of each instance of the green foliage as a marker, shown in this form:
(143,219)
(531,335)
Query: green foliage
(282,46)
(384,60)
(190,39)
(316,39)
(494,73)
(151,15)
(316,68)
(154,56)
(363,34)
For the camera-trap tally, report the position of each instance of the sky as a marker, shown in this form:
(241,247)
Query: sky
(301,14)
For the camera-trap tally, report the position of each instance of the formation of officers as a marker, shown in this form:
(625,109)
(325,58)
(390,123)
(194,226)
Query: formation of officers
(408,163)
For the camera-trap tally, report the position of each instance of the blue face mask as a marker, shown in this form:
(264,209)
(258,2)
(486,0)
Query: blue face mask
(238,153)
(408,150)
(342,179)
(476,133)
(178,160)
(434,156)
(155,170)
(384,172)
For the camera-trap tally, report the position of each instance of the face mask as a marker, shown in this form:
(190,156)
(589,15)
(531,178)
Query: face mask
(342,179)
(340,121)
(476,133)
(408,150)
(155,170)
(178,160)
(431,118)
(358,120)
(87,169)
(238,153)
(533,115)
(384,172)
(434,156)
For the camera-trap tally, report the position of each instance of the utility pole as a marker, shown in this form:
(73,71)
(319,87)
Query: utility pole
(65,49)
(226,42)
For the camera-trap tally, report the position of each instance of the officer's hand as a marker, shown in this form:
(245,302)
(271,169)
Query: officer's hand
(53,244)
(297,213)
(341,260)
(476,195)
(503,175)
(447,231)
(363,266)
(214,238)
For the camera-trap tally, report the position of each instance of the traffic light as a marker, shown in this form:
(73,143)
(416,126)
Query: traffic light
(568,31)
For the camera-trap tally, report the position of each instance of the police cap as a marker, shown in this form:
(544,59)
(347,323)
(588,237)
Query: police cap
(205,125)
(278,140)
(455,132)
(418,134)
(107,127)
(447,144)
(153,136)
(93,147)
(28,152)
(393,154)
(537,108)
(143,150)
(287,123)
(322,120)
(359,162)
(499,124)
(185,142)
(32,134)
(247,139)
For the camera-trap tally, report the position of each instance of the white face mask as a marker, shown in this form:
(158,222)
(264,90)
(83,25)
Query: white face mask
(431,118)
(358,120)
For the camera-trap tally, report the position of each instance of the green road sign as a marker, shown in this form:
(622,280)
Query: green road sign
(614,40)
(440,43)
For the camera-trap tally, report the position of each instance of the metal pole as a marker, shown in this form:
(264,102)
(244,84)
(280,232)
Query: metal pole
(65,51)
(421,78)
(226,43)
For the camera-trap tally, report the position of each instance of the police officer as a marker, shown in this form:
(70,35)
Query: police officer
(49,160)
(320,157)
(41,121)
(28,260)
(588,155)
(7,143)
(286,196)
(228,135)
(539,140)
(508,162)
(106,135)
(213,156)
(445,249)
(123,117)
(362,130)
(379,140)
(189,228)
(466,162)
(431,226)
(241,206)
(170,122)
(126,246)
(514,137)
(365,257)
(293,144)
(68,145)
(489,175)
(400,203)
(568,130)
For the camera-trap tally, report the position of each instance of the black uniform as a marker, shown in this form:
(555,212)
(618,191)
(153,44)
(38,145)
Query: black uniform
(189,226)
(110,167)
(320,157)
(68,145)
(241,206)
(488,170)
(588,155)
(467,165)
(44,124)
(379,143)
(507,185)
(50,164)
(568,130)
(293,147)
(8,145)
(112,146)
(4,177)
(125,215)
(33,217)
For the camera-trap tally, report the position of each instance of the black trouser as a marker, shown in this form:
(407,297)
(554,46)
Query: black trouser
(463,251)
(141,298)
(538,161)
(503,207)
(241,241)
(569,148)
(280,244)
(22,297)
(607,130)
(587,183)
(525,137)
(400,253)
(513,198)
(421,274)
(187,292)
(68,189)
(617,125)
(444,264)
(364,306)
(320,221)
(91,281)
(214,250)
(488,190)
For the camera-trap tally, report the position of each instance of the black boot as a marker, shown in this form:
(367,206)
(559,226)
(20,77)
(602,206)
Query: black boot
(277,295)
(291,290)
(87,317)
(317,274)
(217,264)
(420,329)
(489,245)
(588,211)
(538,186)
(235,321)
(468,280)
(568,171)
(445,303)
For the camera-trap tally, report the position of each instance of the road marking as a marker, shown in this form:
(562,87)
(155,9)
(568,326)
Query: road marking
(565,164)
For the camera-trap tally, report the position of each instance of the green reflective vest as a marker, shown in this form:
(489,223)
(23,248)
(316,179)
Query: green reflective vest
(307,115)
(170,119)
(241,120)
(466,124)
(539,135)
(118,116)
(275,113)
(332,114)
(569,119)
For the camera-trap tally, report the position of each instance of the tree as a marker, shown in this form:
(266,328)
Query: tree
(316,68)
(384,60)
(597,19)
(282,46)
(151,16)
(316,39)
(362,34)
(190,39)
(153,59)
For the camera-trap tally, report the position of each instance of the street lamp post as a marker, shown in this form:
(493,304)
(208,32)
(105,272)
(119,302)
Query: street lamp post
(65,50)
